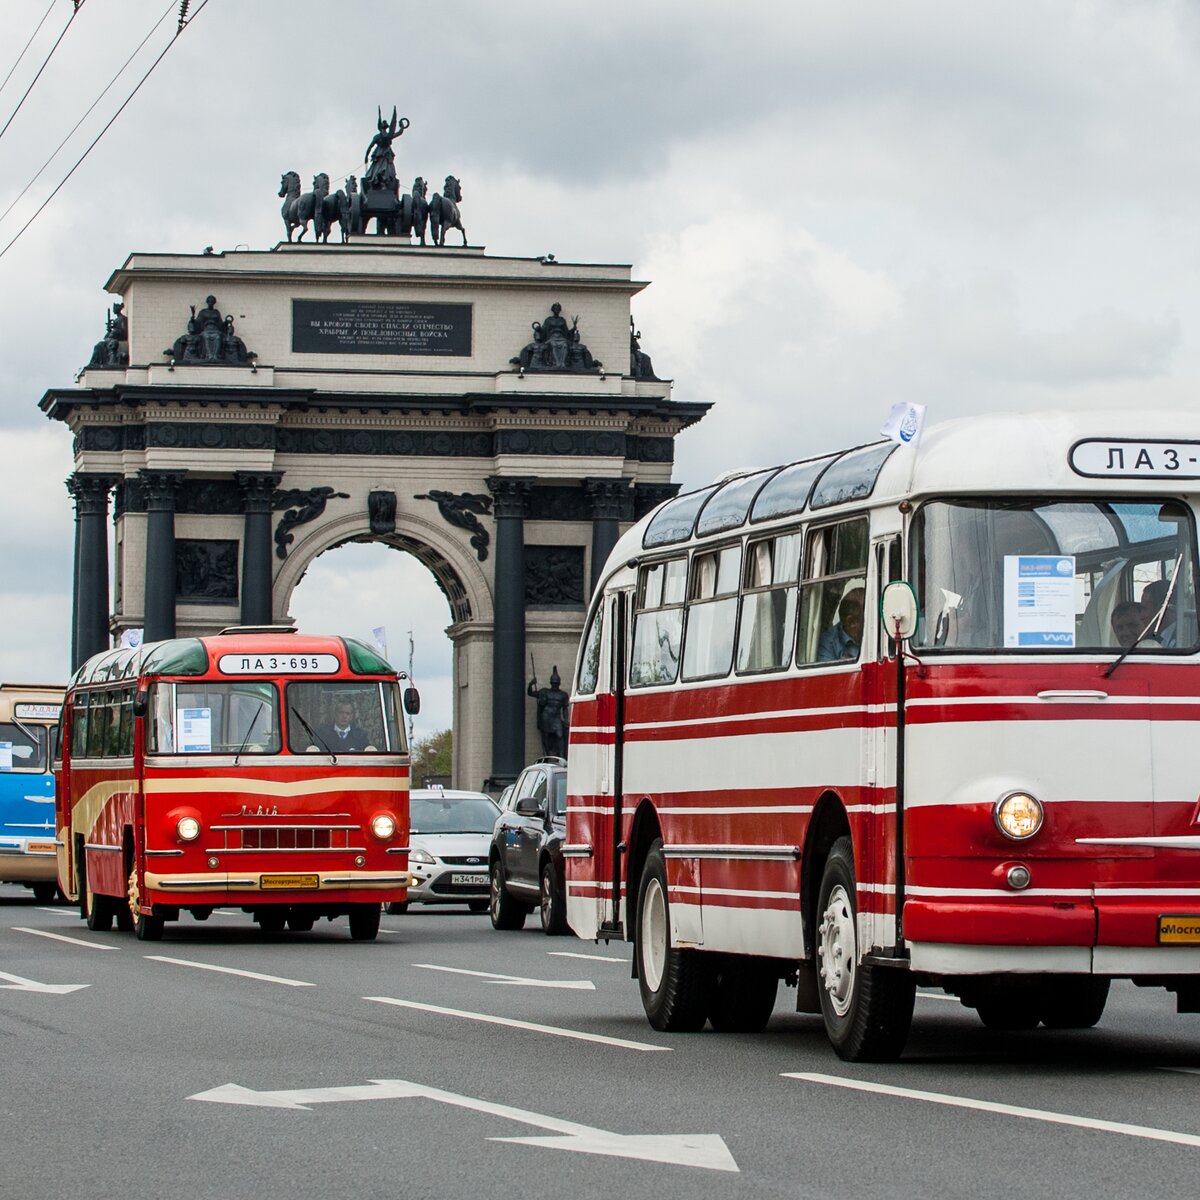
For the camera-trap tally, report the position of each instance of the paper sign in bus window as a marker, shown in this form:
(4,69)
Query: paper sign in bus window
(6,756)
(1039,600)
(195,730)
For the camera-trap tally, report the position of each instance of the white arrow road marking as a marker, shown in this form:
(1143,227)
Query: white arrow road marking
(514,1023)
(577,985)
(590,957)
(62,937)
(186,962)
(17,984)
(706,1150)
(1007,1110)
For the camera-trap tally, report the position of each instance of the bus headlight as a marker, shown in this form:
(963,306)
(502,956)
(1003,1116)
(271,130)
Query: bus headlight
(383,826)
(1018,816)
(187,829)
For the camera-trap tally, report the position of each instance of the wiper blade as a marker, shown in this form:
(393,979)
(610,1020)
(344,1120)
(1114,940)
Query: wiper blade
(253,722)
(312,733)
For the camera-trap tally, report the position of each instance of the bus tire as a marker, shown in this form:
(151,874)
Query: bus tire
(506,912)
(146,928)
(867,1010)
(743,995)
(364,921)
(554,904)
(676,984)
(98,911)
(1075,1003)
(300,920)
(45,893)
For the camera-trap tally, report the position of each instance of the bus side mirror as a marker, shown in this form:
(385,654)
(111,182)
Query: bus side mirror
(898,609)
(141,703)
(412,701)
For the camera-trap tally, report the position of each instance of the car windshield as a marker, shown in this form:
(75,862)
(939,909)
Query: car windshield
(466,814)
(17,751)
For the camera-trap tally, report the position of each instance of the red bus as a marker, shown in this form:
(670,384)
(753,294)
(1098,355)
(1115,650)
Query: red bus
(199,773)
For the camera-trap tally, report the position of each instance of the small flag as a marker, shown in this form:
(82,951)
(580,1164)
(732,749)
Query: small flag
(131,639)
(379,633)
(904,423)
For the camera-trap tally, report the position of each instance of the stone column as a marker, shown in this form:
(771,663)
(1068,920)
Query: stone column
(610,499)
(258,490)
(510,495)
(158,618)
(89,620)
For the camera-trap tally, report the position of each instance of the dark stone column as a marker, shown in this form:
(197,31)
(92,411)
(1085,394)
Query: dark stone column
(508,645)
(611,503)
(258,490)
(89,620)
(158,619)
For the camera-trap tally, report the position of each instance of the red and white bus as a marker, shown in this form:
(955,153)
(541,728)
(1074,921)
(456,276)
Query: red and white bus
(759,791)
(211,772)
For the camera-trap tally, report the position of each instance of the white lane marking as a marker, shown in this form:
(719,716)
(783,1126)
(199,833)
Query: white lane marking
(704,1150)
(61,937)
(18,983)
(589,957)
(576,985)
(73,913)
(1007,1110)
(184,962)
(938,996)
(512,1022)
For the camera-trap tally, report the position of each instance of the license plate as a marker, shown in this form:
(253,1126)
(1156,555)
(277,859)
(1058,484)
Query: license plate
(291,883)
(1178,930)
(40,847)
(469,879)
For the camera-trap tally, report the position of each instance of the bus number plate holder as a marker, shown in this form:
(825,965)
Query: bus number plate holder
(290,883)
(1176,931)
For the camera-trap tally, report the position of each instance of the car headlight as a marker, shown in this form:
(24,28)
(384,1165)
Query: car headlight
(383,826)
(1018,816)
(187,829)
(421,856)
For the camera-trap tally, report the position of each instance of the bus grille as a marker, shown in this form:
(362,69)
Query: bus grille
(289,837)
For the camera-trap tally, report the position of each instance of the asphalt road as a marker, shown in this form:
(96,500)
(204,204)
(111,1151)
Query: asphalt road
(449,1060)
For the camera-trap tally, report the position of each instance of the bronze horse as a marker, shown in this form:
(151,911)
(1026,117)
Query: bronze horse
(298,209)
(444,214)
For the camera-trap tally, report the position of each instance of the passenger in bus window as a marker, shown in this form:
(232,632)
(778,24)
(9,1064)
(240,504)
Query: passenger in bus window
(1129,619)
(843,638)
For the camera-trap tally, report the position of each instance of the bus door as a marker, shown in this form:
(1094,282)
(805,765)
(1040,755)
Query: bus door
(609,839)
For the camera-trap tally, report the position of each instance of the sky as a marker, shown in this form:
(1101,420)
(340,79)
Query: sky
(977,207)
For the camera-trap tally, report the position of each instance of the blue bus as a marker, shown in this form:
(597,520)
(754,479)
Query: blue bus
(29,717)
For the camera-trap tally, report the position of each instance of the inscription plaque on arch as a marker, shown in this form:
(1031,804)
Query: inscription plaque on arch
(381,327)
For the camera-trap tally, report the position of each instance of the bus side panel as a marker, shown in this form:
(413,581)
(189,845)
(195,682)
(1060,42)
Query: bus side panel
(589,815)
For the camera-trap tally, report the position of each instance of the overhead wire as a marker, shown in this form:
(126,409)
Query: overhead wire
(78,4)
(29,43)
(184,21)
(91,108)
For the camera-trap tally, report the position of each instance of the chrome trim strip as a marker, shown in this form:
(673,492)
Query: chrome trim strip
(256,828)
(285,850)
(98,846)
(581,851)
(397,850)
(197,885)
(162,853)
(374,881)
(765,852)
(1186,842)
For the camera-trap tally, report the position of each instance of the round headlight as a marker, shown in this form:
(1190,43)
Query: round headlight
(383,826)
(187,829)
(1018,816)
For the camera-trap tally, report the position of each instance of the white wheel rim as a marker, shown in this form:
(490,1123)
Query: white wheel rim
(547,900)
(838,950)
(653,934)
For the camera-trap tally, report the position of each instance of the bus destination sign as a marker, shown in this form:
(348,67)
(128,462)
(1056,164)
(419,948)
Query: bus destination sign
(1120,458)
(37,712)
(381,327)
(278,664)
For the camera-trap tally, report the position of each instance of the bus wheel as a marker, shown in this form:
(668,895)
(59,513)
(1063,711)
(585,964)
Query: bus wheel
(554,904)
(98,910)
(506,912)
(300,920)
(743,995)
(364,921)
(675,984)
(145,927)
(867,1010)
(1076,1003)
(271,920)
(45,893)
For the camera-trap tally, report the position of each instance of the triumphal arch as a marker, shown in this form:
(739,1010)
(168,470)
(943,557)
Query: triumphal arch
(248,410)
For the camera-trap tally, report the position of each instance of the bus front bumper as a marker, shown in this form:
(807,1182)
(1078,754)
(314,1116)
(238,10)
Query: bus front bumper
(282,884)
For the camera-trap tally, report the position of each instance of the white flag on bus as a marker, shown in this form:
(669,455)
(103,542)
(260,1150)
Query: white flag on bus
(904,423)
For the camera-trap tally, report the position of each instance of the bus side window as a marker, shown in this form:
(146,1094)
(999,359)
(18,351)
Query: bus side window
(79,726)
(769,603)
(833,593)
(125,725)
(887,569)
(97,725)
(658,623)
(589,662)
(712,613)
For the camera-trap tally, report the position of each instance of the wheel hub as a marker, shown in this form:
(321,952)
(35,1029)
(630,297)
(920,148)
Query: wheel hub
(653,935)
(837,950)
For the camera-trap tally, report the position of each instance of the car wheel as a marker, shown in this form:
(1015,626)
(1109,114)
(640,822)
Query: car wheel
(743,995)
(675,984)
(505,911)
(554,903)
(867,1010)
(364,921)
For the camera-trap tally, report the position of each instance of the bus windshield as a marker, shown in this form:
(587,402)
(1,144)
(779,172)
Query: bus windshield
(343,717)
(22,747)
(1084,575)
(214,718)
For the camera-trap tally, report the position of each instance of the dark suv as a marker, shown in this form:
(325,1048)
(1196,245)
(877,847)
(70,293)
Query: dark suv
(525,863)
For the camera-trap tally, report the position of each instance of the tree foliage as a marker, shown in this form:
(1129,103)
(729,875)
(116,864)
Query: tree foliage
(432,756)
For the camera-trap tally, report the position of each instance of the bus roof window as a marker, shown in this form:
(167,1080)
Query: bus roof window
(180,656)
(787,493)
(853,476)
(673,522)
(365,661)
(728,507)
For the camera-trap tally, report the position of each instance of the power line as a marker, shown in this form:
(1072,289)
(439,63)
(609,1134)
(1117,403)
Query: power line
(27,45)
(184,21)
(74,13)
(89,111)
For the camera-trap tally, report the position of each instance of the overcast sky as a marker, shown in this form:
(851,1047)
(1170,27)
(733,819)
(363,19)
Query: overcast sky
(984,206)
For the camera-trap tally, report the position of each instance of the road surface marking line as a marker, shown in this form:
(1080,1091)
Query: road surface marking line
(589,957)
(512,1022)
(577,985)
(184,962)
(938,996)
(1007,1110)
(61,937)
(73,913)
